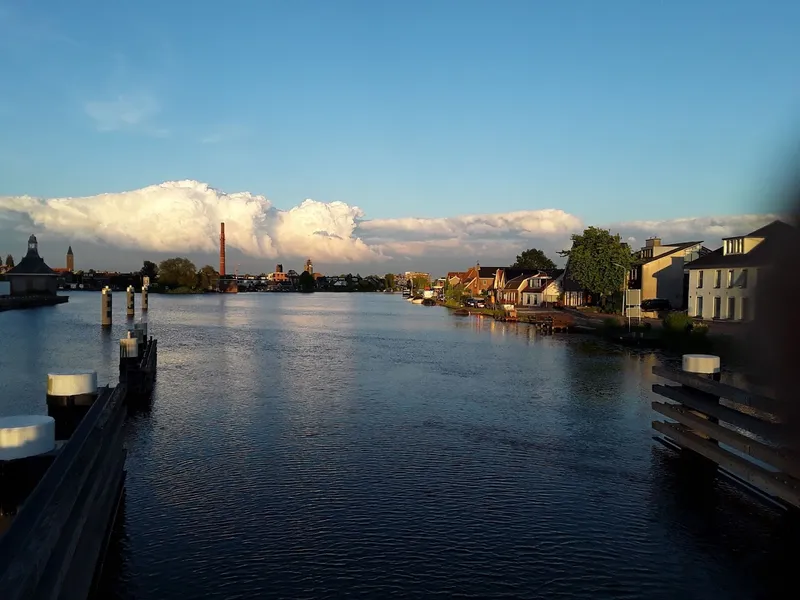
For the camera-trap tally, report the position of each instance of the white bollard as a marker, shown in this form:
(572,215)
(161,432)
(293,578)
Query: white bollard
(25,436)
(70,395)
(105,307)
(130,303)
(129,347)
(702,364)
(145,298)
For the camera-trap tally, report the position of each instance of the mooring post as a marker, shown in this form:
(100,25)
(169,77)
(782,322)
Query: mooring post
(24,439)
(105,307)
(130,302)
(140,333)
(128,355)
(708,366)
(70,395)
(145,298)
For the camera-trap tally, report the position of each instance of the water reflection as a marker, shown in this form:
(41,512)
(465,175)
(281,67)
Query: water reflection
(337,445)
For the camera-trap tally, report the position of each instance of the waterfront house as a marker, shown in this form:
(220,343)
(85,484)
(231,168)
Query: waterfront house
(543,288)
(32,276)
(479,281)
(722,283)
(659,270)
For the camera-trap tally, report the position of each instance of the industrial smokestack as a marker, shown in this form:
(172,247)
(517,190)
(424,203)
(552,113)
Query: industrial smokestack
(222,249)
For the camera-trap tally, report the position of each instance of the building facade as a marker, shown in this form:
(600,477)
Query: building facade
(660,270)
(722,284)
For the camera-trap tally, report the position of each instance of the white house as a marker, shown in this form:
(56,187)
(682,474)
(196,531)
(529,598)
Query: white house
(543,288)
(722,283)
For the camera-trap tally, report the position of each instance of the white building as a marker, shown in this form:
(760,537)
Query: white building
(722,283)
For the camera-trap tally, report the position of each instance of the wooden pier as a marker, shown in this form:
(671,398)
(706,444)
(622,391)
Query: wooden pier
(736,430)
(55,544)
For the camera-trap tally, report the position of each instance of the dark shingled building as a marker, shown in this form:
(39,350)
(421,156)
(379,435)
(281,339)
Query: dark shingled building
(32,276)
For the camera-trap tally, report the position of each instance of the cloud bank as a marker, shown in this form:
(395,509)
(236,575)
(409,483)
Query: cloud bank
(184,216)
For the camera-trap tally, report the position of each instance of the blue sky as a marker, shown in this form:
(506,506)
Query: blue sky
(609,110)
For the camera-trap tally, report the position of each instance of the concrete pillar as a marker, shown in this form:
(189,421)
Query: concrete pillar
(70,395)
(130,302)
(105,307)
(26,450)
(145,298)
(128,355)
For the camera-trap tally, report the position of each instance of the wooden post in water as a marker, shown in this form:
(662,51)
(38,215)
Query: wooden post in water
(70,395)
(26,446)
(130,302)
(128,355)
(105,307)
(145,298)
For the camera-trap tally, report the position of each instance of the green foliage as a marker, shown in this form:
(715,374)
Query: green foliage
(454,294)
(183,290)
(207,277)
(677,322)
(389,279)
(611,323)
(9,261)
(699,329)
(149,269)
(533,258)
(306,282)
(598,261)
(177,272)
(420,282)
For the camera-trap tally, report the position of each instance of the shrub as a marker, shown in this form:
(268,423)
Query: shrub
(677,322)
(611,323)
(699,329)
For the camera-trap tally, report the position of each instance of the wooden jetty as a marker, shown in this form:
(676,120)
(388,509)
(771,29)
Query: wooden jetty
(55,543)
(545,323)
(735,430)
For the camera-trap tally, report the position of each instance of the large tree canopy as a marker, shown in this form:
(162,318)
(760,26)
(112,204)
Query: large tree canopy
(177,272)
(533,258)
(207,277)
(306,282)
(598,261)
(149,269)
(10,261)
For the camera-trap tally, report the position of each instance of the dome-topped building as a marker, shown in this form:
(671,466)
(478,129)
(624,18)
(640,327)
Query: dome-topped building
(32,276)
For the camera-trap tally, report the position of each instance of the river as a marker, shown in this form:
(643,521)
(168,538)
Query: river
(332,445)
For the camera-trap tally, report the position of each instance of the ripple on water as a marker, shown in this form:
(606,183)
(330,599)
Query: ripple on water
(334,446)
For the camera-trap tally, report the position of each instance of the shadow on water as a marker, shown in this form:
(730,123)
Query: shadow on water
(726,524)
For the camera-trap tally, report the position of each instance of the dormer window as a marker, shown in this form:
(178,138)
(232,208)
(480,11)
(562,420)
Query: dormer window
(734,246)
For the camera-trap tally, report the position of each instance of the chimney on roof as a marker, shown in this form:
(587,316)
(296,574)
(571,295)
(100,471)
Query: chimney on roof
(222,249)
(652,242)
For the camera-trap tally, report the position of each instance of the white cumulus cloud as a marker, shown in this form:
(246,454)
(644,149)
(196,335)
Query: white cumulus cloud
(183,216)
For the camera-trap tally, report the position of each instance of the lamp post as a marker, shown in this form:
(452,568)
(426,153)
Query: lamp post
(624,292)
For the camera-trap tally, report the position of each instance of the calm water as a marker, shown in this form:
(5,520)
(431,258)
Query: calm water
(357,445)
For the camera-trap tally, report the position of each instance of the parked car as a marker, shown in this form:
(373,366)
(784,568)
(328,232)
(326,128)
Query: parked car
(656,305)
(475,302)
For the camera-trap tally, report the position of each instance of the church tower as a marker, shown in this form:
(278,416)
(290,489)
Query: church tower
(70,260)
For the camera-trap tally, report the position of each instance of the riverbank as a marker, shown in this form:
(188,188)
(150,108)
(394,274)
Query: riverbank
(21,302)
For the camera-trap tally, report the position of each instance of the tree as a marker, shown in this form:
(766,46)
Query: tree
(420,282)
(207,277)
(9,261)
(389,279)
(598,261)
(306,282)
(149,269)
(177,272)
(533,258)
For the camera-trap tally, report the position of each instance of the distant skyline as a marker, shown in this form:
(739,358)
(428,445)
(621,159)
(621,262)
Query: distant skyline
(609,112)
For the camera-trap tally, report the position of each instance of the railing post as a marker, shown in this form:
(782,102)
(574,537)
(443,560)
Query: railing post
(708,366)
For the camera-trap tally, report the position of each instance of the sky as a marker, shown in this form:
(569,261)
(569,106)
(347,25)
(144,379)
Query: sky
(388,134)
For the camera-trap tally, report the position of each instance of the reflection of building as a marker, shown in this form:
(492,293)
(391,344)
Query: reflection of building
(70,260)
(32,276)
(722,283)
(659,270)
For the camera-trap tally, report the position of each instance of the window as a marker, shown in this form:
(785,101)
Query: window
(699,312)
(732,307)
(730,278)
(717,278)
(699,279)
(743,279)
(745,309)
(717,307)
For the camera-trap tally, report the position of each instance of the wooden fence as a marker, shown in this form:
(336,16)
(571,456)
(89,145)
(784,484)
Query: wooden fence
(738,430)
(52,548)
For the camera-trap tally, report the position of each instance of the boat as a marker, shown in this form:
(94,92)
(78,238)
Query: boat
(417,301)
(428,302)
(461,312)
